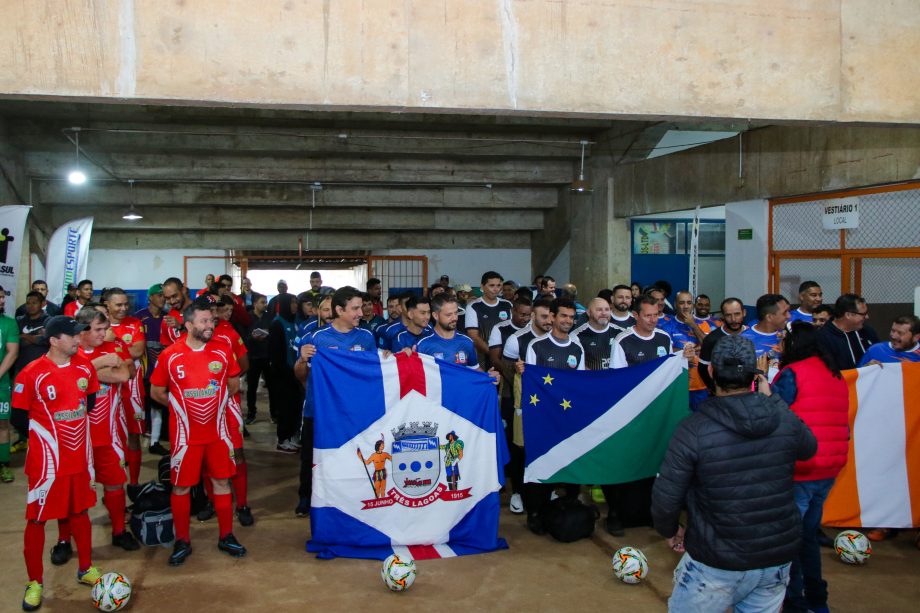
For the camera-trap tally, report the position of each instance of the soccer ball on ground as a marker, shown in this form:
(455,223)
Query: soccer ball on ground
(630,565)
(853,547)
(398,573)
(111,592)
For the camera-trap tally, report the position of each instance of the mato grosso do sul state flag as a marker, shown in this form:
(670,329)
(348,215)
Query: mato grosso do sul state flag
(603,426)
(409,457)
(879,487)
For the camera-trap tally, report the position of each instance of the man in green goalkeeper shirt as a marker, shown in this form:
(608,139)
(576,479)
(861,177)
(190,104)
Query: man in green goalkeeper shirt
(9,350)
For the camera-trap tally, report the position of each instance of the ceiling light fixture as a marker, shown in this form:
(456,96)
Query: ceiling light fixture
(580,185)
(131,215)
(77,176)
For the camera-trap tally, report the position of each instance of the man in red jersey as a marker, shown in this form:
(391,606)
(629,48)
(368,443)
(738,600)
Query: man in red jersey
(130,331)
(84,295)
(196,376)
(57,390)
(107,427)
(177,300)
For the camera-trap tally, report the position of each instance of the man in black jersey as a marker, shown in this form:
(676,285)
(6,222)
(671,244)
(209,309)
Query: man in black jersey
(620,303)
(516,345)
(554,350)
(520,317)
(482,314)
(629,504)
(596,336)
(732,323)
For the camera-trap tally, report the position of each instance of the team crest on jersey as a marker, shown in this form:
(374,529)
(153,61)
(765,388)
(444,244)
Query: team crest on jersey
(571,361)
(662,352)
(461,357)
(503,315)
(82,384)
(215,367)
(415,461)
(126,338)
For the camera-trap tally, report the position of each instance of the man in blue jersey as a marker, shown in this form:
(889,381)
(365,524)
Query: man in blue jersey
(387,333)
(767,334)
(903,344)
(418,324)
(445,343)
(342,334)
(810,298)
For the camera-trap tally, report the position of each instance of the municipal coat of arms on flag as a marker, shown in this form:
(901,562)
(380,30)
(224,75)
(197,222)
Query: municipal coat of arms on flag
(602,426)
(409,457)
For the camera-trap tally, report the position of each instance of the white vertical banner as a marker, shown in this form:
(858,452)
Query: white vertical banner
(12,229)
(694,252)
(68,254)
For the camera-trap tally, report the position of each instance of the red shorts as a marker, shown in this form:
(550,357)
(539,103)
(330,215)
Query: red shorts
(109,467)
(135,426)
(235,421)
(188,460)
(64,496)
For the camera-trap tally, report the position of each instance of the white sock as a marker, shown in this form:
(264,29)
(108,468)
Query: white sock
(156,425)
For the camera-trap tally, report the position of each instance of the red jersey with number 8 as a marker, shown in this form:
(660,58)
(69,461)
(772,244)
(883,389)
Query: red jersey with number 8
(55,397)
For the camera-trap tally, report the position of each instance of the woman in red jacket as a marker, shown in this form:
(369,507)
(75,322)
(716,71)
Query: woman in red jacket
(811,384)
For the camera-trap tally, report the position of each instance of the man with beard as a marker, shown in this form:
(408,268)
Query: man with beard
(810,297)
(903,344)
(620,302)
(177,299)
(733,315)
(702,312)
(596,336)
(196,376)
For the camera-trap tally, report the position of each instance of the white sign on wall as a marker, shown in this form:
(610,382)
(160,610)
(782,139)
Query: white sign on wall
(840,213)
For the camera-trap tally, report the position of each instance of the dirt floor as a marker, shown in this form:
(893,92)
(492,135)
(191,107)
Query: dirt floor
(535,574)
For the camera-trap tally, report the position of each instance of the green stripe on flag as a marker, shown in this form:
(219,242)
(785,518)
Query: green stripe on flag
(637,449)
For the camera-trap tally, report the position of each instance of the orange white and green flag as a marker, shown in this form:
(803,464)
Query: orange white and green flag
(880,485)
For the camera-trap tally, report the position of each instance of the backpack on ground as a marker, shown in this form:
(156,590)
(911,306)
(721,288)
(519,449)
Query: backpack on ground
(568,520)
(151,516)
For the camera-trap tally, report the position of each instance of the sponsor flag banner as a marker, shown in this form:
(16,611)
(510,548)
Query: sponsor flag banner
(409,457)
(68,254)
(603,426)
(12,228)
(879,487)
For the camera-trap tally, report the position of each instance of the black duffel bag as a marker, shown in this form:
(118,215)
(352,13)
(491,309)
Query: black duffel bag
(568,520)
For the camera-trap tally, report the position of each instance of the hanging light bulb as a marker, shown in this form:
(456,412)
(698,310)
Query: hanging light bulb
(132,215)
(580,185)
(77,176)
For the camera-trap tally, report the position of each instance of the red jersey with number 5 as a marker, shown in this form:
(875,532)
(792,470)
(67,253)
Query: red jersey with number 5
(196,383)
(55,397)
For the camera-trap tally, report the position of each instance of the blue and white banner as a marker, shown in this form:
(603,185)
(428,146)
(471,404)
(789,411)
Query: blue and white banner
(409,457)
(12,229)
(68,254)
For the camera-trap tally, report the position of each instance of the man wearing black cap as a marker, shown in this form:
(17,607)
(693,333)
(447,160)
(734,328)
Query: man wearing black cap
(58,391)
(731,466)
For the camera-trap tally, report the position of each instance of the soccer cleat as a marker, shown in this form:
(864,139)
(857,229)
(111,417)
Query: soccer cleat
(6,475)
(244,514)
(516,505)
(303,508)
(158,449)
(126,541)
(89,576)
(20,445)
(206,513)
(61,553)
(231,546)
(33,597)
(181,551)
(614,526)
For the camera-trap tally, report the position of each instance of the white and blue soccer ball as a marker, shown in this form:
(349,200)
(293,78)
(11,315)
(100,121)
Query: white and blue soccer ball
(398,573)
(853,547)
(630,565)
(111,592)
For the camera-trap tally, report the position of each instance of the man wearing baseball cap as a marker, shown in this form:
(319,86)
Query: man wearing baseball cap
(731,465)
(58,390)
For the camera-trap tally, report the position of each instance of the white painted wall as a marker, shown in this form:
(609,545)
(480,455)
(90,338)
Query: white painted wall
(746,264)
(141,268)
(467,265)
(561,269)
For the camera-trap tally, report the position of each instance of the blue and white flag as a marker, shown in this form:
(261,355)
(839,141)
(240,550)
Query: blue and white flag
(409,457)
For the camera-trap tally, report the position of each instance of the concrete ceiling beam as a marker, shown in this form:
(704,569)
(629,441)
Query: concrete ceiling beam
(58,192)
(288,218)
(287,240)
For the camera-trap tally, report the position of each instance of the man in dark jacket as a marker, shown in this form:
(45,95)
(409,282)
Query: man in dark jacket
(847,337)
(731,465)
